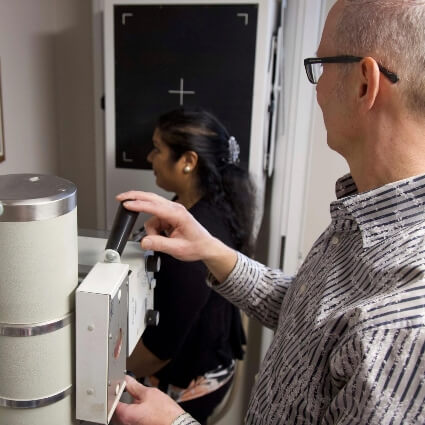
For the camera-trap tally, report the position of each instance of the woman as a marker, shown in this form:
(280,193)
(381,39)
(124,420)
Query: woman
(190,354)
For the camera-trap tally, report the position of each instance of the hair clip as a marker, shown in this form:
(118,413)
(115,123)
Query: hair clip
(234,151)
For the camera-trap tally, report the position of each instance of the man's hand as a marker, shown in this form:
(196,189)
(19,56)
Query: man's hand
(184,236)
(150,407)
(185,239)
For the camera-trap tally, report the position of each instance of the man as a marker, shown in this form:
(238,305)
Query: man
(350,327)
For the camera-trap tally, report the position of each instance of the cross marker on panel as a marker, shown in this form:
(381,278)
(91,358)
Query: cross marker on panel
(181,92)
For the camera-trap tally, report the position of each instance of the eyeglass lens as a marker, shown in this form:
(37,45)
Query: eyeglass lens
(316,71)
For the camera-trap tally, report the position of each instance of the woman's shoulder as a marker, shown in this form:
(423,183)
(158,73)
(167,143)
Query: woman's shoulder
(213,219)
(206,211)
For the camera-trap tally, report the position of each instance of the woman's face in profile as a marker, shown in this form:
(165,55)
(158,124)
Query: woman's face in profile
(165,169)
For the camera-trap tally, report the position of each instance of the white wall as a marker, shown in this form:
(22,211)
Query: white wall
(47,91)
(326,166)
(74,89)
(287,188)
(27,30)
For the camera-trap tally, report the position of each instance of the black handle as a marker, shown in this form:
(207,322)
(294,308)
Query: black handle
(121,229)
(153,263)
(152,318)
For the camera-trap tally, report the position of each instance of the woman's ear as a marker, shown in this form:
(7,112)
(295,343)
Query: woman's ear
(189,161)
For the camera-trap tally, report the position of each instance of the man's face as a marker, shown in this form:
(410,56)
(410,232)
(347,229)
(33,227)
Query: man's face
(331,93)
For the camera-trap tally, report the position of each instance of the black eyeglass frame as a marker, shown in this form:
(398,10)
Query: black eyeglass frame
(343,59)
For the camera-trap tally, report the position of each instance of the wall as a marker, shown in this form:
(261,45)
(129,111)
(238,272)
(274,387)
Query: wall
(74,89)
(27,59)
(326,166)
(47,91)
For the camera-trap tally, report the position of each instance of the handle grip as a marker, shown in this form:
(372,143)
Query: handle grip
(123,225)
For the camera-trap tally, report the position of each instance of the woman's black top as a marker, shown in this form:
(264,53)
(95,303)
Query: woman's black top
(198,329)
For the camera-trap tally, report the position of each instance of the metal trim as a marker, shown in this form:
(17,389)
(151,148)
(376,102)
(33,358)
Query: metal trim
(38,197)
(32,404)
(34,329)
(19,212)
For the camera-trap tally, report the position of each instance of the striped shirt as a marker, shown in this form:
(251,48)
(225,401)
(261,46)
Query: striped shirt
(350,327)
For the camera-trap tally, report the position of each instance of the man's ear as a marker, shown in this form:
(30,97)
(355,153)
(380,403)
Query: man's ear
(369,83)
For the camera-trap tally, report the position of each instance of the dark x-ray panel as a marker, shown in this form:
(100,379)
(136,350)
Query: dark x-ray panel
(190,55)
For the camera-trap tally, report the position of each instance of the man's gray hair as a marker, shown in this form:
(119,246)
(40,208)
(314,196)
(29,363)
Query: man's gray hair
(393,33)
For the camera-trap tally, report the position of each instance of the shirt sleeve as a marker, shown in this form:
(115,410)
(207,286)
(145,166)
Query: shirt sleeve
(185,419)
(380,374)
(254,288)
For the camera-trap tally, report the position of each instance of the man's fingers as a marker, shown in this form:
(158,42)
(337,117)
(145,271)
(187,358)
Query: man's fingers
(141,201)
(136,194)
(153,226)
(120,415)
(145,198)
(162,244)
(134,388)
(126,414)
(157,206)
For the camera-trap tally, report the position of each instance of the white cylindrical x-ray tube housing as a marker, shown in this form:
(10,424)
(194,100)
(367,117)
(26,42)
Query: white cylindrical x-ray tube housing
(39,274)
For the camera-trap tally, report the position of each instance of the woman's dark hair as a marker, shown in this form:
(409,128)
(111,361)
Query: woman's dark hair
(221,181)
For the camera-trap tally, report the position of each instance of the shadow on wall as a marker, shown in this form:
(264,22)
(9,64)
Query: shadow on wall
(74,88)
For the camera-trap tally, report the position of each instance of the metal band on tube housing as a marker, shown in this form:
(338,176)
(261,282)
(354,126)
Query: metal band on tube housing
(33,197)
(31,404)
(35,328)
(39,263)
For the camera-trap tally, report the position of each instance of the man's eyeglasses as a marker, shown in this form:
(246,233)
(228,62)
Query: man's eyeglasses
(314,67)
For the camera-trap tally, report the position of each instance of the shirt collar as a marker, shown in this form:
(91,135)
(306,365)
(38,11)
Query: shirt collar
(381,212)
